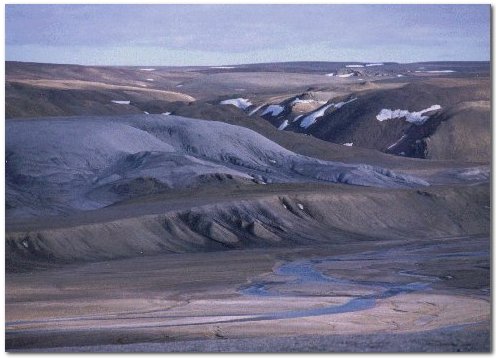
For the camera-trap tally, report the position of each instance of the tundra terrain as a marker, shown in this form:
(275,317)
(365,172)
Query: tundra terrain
(305,206)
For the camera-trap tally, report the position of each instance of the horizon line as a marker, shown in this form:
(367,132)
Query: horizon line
(248,64)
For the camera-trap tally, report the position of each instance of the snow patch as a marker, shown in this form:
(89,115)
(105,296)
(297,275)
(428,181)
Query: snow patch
(255,110)
(354,66)
(346,75)
(297,100)
(273,110)
(436,71)
(312,117)
(283,125)
(341,104)
(166,113)
(300,206)
(399,75)
(330,74)
(397,142)
(242,103)
(297,117)
(150,79)
(147,69)
(145,112)
(223,67)
(121,102)
(412,117)
(374,64)
(179,86)
(348,144)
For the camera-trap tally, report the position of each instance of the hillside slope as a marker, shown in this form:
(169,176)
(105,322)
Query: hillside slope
(277,216)
(336,102)
(56,165)
(399,121)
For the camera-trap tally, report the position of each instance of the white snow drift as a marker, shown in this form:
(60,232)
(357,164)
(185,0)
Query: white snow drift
(436,71)
(413,117)
(121,102)
(397,142)
(255,110)
(297,117)
(242,103)
(304,101)
(283,125)
(341,104)
(312,117)
(273,110)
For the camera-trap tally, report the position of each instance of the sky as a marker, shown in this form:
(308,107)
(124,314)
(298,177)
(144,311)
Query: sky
(235,34)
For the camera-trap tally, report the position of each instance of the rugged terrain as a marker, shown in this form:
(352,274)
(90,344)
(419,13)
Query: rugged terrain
(337,102)
(209,208)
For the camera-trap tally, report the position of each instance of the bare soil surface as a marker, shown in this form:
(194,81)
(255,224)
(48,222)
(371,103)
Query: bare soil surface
(343,294)
(144,215)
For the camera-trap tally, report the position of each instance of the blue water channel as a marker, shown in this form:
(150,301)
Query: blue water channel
(305,272)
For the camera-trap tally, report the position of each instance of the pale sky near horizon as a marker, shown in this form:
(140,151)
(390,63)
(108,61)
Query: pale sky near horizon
(234,34)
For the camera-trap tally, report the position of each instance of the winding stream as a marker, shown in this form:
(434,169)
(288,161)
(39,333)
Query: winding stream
(304,272)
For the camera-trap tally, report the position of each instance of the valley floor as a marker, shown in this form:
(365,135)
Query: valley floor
(389,295)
